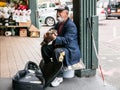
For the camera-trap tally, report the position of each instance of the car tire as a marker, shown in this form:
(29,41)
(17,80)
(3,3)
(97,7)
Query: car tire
(106,17)
(118,17)
(50,21)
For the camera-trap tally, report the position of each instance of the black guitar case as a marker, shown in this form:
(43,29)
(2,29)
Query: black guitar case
(34,77)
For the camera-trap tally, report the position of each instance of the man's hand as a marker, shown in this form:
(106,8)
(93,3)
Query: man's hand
(53,36)
(50,35)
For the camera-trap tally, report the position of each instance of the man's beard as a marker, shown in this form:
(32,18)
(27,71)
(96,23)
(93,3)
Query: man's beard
(60,19)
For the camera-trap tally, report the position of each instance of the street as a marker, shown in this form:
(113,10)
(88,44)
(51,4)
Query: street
(109,50)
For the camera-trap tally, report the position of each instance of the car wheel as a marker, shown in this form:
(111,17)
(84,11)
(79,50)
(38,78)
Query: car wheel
(106,17)
(118,17)
(50,21)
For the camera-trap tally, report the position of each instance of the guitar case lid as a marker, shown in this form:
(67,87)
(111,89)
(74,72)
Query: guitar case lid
(50,71)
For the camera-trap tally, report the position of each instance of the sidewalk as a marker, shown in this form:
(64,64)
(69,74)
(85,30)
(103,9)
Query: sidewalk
(91,83)
(76,83)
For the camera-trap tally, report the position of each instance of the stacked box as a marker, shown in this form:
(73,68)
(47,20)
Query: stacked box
(35,34)
(2,32)
(23,32)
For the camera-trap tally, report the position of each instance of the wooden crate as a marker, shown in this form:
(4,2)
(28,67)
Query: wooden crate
(23,32)
(34,32)
(2,32)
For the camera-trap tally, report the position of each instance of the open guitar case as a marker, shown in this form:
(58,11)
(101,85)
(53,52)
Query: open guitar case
(34,77)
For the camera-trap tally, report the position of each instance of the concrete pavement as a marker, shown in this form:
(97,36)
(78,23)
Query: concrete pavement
(76,83)
(109,50)
(91,83)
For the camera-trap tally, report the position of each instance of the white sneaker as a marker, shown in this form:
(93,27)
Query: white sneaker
(57,81)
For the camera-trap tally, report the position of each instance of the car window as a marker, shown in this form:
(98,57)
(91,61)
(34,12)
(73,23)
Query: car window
(102,4)
(118,5)
(115,4)
(51,5)
(69,3)
(43,6)
(99,4)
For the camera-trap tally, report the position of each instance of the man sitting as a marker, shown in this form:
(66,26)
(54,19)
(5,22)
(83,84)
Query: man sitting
(66,40)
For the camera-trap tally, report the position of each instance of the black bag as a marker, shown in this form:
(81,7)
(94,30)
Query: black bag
(34,77)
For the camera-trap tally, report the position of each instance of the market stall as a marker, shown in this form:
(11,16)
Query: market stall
(15,18)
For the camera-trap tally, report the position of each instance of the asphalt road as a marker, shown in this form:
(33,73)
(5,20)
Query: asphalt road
(109,50)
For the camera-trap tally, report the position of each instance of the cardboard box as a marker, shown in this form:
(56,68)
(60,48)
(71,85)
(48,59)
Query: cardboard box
(25,24)
(35,34)
(23,32)
(34,31)
(2,32)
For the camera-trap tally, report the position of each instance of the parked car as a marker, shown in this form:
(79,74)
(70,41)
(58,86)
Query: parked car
(49,18)
(112,8)
(46,7)
(47,12)
(100,12)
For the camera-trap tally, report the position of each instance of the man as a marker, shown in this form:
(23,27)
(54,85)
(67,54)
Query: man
(65,40)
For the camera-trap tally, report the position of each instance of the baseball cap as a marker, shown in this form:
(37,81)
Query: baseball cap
(62,7)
